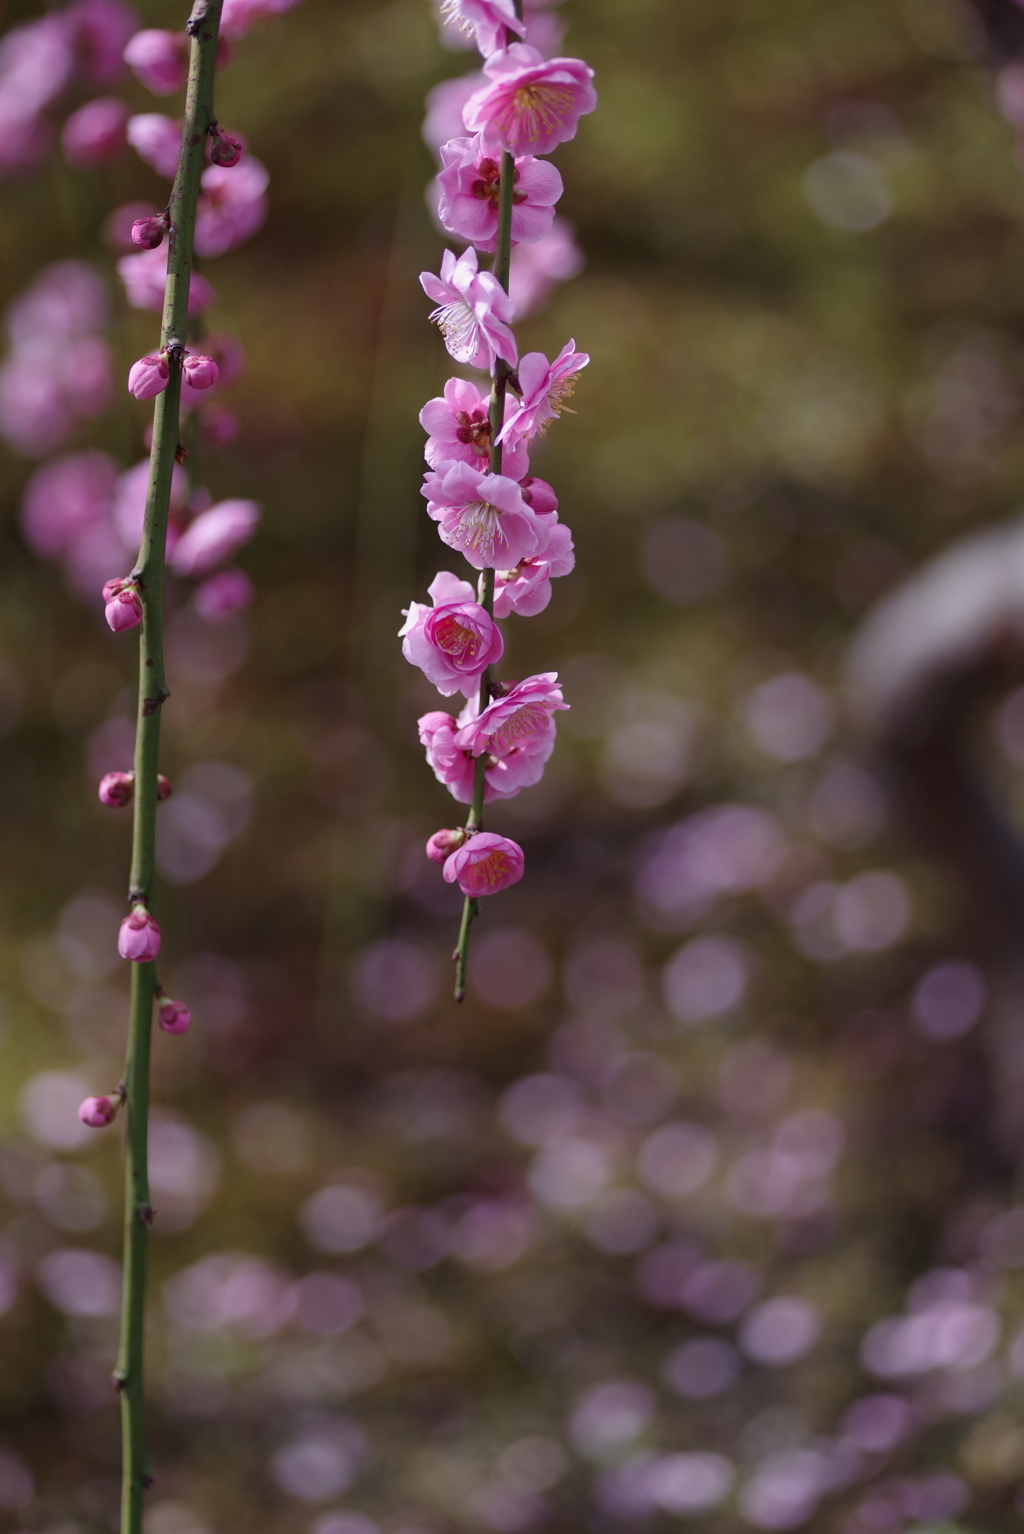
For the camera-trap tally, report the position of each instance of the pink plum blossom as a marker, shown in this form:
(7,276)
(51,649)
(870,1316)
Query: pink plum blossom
(544,29)
(173,1016)
(517,732)
(456,768)
(473,311)
(158,59)
(459,430)
(442,844)
(64,499)
(199,372)
(95,133)
(536,269)
(145,278)
(129,508)
(454,641)
(139,937)
(538,494)
(226,150)
(444,109)
(530,103)
(117,789)
(526,590)
(156,139)
(223,595)
(485,865)
(545,388)
(148,377)
(68,298)
(470,183)
(215,535)
(484,516)
(98,1112)
(122,605)
(232,207)
(101,29)
(488,21)
(238,15)
(148,231)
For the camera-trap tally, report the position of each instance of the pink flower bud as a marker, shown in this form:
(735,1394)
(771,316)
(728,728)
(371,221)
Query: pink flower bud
(485,864)
(148,377)
(443,843)
(123,607)
(116,789)
(199,372)
(148,232)
(226,150)
(223,595)
(139,937)
(174,1016)
(158,59)
(95,133)
(98,1112)
(164,787)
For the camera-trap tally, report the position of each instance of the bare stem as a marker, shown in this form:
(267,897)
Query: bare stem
(499,383)
(129,1377)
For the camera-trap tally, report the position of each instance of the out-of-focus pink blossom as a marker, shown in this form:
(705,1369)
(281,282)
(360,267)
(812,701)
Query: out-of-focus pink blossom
(158,59)
(444,109)
(67,299)
(544,29)
(526,590)
(95,133)
(117,789)
(454,641)
(156,139)
(220,424)
(545,388)
(488,21)
(145,278)
(459,430)
(164,787)
(530,104)
(101,29)
(536,269)
(148,377)
(442,844)
(36,62)
(215,535)
(148,232)
(473,311)
(139,937)
(484,516)
(239,15)
(173,1016)
(65,498)
(223,595)
(226,150)
(129,509)
(517,731)
(485,865)
(122,605)
(232,207)
(199,372)
(98,1112)
(470,184)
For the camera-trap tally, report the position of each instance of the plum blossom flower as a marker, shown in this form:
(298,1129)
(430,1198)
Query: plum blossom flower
(148,377)
(459,430)
(117,789)
(95,133)
(98,1112)
(173,1016)
(215,535)
(122,604)
(454,641)
(444,109)
(129,509)
(473,311)
(489,21)
(65,499)
(484,516)
(139,937)
(145,278)
(544,29)
(545,388)
(156,140)
(223,595)
(526,590)
(36,62)
(443,843)
(158,59)
(486,864)
(530,103)
(516,731)
(450,766)
(232,207)
(470,184)
(536,269)
(101,30)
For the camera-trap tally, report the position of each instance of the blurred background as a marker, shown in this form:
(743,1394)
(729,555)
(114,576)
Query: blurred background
(705,1205)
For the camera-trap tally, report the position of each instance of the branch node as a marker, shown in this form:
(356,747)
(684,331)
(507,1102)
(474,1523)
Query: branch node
(145,1214)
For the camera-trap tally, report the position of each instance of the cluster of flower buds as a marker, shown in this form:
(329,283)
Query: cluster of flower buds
(522,105)
(117,789)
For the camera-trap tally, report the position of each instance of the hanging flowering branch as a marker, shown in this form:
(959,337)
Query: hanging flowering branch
(493,192)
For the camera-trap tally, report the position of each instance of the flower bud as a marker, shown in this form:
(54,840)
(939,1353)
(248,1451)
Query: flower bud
(98,1112)
(164,787)
(116,789)
(200,372)
(443,843)
(148,377)
(174,1016)
(148,232)
(226,150)
(123,605)
(139,937)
